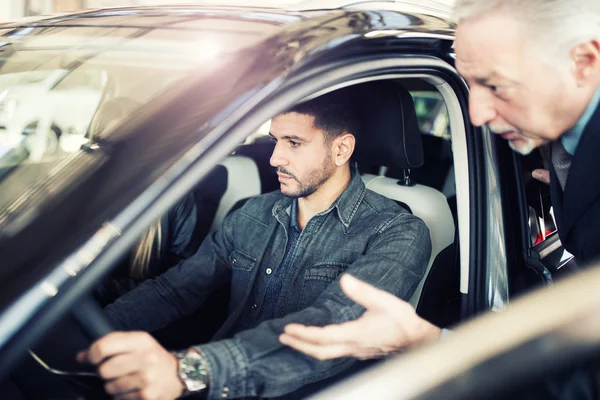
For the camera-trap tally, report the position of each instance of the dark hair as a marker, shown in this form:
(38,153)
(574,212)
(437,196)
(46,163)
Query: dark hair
(334,113)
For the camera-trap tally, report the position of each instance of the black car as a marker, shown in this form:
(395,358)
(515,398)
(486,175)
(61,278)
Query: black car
(197,84)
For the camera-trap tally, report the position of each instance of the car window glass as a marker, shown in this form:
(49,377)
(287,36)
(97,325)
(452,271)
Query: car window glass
(58,87)
(434,123)
(432,114)
(260,133)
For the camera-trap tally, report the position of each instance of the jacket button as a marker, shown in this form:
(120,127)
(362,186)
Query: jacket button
(268,271)
(254,306)
(234,260)
(225,392)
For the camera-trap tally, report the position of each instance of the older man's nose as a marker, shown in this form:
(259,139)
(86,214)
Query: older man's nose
(481,108)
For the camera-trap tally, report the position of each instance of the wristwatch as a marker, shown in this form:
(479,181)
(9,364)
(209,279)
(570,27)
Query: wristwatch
(192,370)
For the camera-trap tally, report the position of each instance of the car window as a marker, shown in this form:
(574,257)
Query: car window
(261,132)
(113,110)
(432,114)
(434,123)
(64,89)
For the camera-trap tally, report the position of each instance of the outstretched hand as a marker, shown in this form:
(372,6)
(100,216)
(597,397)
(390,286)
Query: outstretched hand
(388,325)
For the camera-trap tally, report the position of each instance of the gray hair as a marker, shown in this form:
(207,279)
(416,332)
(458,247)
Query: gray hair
(555,26)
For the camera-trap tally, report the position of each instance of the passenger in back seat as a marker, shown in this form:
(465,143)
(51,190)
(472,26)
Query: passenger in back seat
(283,253)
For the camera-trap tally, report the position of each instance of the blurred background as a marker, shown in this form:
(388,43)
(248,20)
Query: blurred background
(11,10)
(15,9)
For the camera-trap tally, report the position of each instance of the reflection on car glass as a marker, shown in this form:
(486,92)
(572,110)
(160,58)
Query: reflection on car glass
(19,207)
(53,85)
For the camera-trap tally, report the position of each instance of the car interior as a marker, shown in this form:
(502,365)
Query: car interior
(396,158)
(403,152)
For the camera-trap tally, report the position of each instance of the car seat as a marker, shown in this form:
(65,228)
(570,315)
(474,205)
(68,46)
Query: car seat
(390,138)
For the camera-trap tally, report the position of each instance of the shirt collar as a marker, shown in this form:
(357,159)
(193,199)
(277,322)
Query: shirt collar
(294,216)
(571,138)
(346,205)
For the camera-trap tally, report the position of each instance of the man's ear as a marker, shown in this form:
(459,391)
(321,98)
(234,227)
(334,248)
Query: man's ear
(343,148)
(586,62)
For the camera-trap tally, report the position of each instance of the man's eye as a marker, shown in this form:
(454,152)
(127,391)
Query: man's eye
(294,144)
(496,89)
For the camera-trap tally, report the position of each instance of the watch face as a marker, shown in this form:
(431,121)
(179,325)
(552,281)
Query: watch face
(192,371)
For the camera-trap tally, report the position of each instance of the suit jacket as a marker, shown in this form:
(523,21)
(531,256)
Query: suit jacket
(577,210)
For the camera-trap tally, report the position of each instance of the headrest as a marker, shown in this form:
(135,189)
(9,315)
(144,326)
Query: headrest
(261,151)
(390,135)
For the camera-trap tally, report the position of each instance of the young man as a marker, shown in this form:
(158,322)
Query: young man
(537,82)
(282,253)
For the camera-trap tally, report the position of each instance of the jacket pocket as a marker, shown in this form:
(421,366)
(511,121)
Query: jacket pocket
(317,278)
(241,261)
(242,266)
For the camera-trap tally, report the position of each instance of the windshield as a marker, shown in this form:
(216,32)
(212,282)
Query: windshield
(62,90)
(96,109)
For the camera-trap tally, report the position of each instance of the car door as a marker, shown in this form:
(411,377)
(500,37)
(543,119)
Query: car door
(534,253)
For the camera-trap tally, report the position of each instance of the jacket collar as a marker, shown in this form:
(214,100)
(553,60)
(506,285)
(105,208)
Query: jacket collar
(583,186)
(571,138)
(346,205)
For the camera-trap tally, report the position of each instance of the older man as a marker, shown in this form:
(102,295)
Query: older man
(537,82)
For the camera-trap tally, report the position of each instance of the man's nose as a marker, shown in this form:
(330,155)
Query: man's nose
(481,107)
(277,159)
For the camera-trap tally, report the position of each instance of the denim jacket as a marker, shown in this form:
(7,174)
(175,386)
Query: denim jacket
(362,233)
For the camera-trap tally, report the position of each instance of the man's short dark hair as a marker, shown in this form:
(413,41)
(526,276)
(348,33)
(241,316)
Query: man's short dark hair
(334,114)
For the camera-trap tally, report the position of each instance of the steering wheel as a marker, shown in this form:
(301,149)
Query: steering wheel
(85,324)
(91,319)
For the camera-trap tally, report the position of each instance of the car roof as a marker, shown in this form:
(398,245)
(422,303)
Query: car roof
(278,13)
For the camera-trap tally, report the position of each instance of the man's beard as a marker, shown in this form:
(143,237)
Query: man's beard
(313,182)
(528,144)
(525,148)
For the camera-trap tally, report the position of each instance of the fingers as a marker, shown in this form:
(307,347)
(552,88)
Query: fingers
(113,344)
(82,357)
(320,352)
(120,365)
(135,365)
(128,385)
(542,175)
(369,296)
